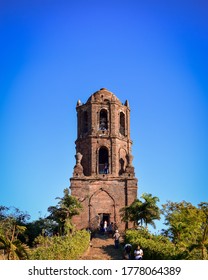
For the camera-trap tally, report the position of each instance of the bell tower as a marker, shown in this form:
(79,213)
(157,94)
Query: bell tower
(103,178)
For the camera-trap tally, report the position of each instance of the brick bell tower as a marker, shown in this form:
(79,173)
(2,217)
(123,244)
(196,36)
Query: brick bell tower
(103,178)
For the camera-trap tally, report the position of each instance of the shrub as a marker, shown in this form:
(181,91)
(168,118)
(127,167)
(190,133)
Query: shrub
(155,247)
(61,247)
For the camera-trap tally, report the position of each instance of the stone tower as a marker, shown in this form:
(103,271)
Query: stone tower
(103,178)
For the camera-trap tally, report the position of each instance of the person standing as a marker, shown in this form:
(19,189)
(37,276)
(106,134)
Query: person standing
(105,226)
(116,237)
(106,168)
(138,253)
(127,252)
(110,230)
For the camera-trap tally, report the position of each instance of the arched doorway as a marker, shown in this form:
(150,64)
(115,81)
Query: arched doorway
(101,212)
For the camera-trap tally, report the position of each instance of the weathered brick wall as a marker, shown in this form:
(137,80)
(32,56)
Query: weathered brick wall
(103,196)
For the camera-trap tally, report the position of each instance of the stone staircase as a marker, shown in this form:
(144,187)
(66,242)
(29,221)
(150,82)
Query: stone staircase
(102,248)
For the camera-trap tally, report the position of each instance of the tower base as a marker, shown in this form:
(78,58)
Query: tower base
(102,198)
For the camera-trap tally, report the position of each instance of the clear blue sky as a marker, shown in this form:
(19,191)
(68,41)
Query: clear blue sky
(153,53)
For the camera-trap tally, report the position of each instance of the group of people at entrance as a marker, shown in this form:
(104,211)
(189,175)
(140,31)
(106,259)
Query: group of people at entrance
(108,229)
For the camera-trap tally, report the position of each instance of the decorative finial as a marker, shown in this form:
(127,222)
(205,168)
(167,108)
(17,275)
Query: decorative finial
(79,103)
(126,103)
(78,168)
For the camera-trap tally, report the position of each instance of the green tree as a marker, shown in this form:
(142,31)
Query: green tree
(67,207)
(202,238)
(142,212)
(42,226)
(150,211)
(183,221)
(11,227)
(187,226)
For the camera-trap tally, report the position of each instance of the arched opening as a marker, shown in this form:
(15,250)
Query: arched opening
(85,121)
(103,120)
(103,165)
(122,123)
(122,161)
(101,212)
(121,166)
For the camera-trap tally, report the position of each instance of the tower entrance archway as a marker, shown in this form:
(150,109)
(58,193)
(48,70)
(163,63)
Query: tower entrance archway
(104,212)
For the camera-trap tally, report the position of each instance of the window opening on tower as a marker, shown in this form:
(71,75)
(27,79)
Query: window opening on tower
(103,165)
(122,123)
(85,121)
(103,120)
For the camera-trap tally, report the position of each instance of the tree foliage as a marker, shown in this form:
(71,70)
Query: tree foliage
(142,212)
(67,207)
(184,237)
(187,226)
(61,247)
(201,242)
(11,228)
(155,247)
(42,226)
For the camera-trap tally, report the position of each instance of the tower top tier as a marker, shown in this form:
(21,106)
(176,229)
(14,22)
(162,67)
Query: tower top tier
(103,135)
(103,96)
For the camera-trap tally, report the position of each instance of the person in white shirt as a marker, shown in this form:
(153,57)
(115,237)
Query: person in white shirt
(138,253)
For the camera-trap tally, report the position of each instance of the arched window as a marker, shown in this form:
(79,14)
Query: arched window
(103,164)
(103,125)
(85,121)
(122,123)
(122,161)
